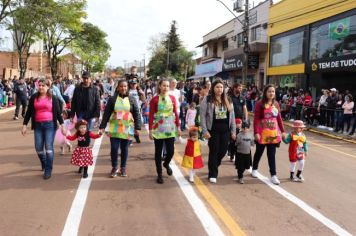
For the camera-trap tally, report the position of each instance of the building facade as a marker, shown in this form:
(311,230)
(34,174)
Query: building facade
(234,59)
(312,44)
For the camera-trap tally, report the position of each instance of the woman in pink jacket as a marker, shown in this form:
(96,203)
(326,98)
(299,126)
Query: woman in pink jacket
(348,106)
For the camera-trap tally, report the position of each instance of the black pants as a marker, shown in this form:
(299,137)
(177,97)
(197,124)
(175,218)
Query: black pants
(218,145)
(271,155)
(242,162)
(169,143)
(20,102)
(347,119)
(322,115)
(330,118)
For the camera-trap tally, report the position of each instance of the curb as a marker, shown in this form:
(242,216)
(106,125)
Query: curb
(3,111)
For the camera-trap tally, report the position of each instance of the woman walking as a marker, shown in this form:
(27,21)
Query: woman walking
(123,114)
(163,126)
(218,125)
(44,112)
(268,126)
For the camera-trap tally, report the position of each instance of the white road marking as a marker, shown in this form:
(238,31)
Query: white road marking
(208,222)
(3,111)
(305,207)
(72,224)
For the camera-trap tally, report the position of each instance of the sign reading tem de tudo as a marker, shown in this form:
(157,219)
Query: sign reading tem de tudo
(344,63)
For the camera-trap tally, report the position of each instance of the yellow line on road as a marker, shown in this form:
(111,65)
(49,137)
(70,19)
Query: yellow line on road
(225,217)
(332,149)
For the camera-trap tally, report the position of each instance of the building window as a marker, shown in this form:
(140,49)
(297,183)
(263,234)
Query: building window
(255,33)
(240,39)
(225,44)
(336,38)
(206,52)
(287,49)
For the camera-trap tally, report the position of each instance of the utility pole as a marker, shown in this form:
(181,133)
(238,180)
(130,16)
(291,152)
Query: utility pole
(246,45)
(144,66)
(167,56)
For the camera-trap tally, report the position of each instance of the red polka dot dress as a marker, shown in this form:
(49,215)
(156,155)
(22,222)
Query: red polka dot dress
(82,155)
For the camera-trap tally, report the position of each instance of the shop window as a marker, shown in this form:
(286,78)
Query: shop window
(225,44)
(287,49)
(289,81)
(332,39)
(255,33)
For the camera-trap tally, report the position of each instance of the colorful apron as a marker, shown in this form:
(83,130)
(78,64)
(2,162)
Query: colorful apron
(268,128)
(121,124)
(296,147)
(192,158)
(164,125)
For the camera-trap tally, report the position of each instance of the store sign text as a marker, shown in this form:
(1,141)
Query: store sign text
(337,64)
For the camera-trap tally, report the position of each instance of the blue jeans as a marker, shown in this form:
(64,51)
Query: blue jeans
(89,120)
(117,143)
(44,138)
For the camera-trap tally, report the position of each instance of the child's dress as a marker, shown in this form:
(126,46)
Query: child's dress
(59,137)
(192,158)
(297,146)
(83,155)
(190,117)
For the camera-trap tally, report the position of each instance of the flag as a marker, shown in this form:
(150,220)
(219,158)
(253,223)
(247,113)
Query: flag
(339,29)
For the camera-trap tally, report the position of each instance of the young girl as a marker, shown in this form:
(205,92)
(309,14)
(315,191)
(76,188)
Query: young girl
(60,138)
(244,142)
(297,150)
(192,156)
(82,155)
(191,113)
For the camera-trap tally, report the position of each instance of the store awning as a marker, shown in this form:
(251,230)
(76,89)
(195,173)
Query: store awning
(203,75)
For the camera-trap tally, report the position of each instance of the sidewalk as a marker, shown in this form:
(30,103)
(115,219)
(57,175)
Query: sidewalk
(328,133)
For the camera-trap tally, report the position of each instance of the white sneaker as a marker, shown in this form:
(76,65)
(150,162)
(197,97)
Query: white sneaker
(299,179)
(275,180)
(330,129)
(212,180)
(291,120)
(191,179)
(320,126)
(254,173)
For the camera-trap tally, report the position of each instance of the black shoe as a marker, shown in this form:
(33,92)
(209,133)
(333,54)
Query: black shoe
(16,118)
(160,179)
(85,175)
(80,170)
(46,177)
(137,138)
(168,168)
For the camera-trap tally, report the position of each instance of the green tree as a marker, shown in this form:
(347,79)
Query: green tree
(91,46)
(61,21)
(5,8)
(168,56)
(23,25)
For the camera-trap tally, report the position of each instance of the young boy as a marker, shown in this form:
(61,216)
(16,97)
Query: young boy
(297,150)
(244,142)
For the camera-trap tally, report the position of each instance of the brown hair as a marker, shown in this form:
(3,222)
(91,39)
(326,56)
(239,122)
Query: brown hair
(117,87)
(160,83)
(224,99)
(80,123)
(47,83)
(264,95)
(193,131)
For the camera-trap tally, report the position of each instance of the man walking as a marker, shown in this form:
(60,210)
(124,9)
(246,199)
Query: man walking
(20,89)
(86,101)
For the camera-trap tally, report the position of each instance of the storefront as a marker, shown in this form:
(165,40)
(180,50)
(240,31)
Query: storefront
(234,66)
(315,51)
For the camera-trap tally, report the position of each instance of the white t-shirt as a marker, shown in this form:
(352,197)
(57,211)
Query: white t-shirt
(69,91)
(176,93)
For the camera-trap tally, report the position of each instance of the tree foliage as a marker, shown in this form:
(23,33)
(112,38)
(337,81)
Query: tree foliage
(91,46)
(61,22)
(24,26)
(168,56)
(5,8)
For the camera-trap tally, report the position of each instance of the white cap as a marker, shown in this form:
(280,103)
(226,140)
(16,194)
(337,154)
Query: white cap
(333,90)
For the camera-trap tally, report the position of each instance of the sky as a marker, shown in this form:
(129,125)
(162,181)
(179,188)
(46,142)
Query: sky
(131,23)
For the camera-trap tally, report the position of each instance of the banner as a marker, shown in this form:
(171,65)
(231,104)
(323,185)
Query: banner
(339,29)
